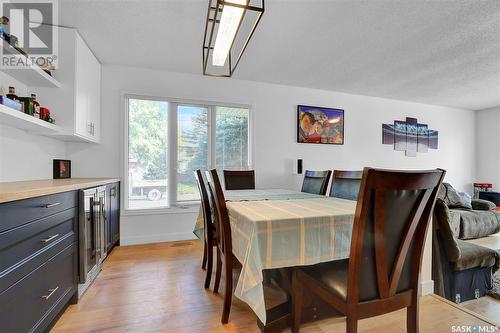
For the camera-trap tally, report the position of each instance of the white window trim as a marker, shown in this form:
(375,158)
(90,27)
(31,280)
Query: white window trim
(185,206)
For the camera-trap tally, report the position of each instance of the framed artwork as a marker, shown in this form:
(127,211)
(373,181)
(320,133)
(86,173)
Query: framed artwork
(61,169)
(400,135)
(320,125)
(410,136)
(422,138)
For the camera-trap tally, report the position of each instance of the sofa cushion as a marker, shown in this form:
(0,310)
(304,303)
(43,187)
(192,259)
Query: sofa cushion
(480,204)
(473,256)
(453,198)
(477,223)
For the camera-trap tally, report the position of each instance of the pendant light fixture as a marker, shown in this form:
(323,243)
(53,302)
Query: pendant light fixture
(230,25)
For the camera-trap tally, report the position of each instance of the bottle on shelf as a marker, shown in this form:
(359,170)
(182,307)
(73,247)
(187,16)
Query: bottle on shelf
(45,115)
(36,107)
(12,94)
(10,100)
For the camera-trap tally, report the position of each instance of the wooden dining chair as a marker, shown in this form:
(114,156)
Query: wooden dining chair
(316,182)
(382,272)
(239,179)
(225,256)
(208,224)
(346,184)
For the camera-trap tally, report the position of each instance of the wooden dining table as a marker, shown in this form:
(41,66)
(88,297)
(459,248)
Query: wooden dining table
(277,228)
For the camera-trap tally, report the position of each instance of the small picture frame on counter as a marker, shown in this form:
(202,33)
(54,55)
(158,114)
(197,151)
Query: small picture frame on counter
(62,169)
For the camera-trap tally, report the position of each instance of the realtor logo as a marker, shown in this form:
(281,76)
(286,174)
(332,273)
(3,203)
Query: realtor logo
(29,34)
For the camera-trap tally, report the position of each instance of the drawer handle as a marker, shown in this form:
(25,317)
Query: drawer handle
(51,205)
(46,240)
(51,292)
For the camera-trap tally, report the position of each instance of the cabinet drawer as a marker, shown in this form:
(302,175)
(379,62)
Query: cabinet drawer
(16,213)
(35,300)
(24,248)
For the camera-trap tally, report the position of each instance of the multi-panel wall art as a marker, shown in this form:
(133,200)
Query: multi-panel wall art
(409,136)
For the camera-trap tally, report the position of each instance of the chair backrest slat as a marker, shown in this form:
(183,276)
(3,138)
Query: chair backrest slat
(409,233)
(206,203)
(239,179)
(222,224)
(316,182)
(345,184)
(390,224)
(380,249)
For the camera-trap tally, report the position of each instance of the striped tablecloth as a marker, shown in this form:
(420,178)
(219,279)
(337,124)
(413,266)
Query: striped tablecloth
(254,195)
(285,233)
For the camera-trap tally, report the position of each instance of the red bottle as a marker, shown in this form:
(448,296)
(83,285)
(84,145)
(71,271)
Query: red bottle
(44,113)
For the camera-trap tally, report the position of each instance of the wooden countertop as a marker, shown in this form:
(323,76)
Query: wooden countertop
(11,191)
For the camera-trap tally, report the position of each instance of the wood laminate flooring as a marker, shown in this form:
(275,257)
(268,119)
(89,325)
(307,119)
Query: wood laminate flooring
(159,288)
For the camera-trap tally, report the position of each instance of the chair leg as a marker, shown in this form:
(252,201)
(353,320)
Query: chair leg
(218,271)
(209,259)
(352,324)
(297,298)
(412,318)
(228,292)
(204,261)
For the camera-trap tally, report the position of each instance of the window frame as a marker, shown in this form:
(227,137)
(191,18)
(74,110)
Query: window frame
(174,206)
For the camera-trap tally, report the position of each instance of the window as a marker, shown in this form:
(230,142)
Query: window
(147,153)
(231,137)
(168,135)
(192,149)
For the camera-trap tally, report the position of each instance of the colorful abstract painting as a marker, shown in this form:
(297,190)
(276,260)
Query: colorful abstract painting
(320,125)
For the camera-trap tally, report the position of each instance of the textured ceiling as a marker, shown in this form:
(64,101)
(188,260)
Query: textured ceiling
(436,52)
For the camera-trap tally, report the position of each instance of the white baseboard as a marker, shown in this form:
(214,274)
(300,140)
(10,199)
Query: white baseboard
(426,287)
(157,238)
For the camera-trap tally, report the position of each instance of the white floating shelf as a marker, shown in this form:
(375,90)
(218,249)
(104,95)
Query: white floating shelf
(32,76)
(23,121)
(14,118)
(69,137)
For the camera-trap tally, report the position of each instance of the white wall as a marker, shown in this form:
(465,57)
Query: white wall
(275,149)
(24,156)
(488,146)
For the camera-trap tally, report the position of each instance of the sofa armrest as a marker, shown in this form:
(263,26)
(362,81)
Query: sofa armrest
(443,224)
(481,204)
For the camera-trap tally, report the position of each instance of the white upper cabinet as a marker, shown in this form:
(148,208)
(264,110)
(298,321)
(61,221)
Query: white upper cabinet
(87,91)
(76,106)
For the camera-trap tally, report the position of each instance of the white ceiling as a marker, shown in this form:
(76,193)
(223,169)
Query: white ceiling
(436,52)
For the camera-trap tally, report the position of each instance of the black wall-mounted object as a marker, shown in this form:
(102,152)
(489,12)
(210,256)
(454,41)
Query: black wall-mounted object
(61,169)
(299,166)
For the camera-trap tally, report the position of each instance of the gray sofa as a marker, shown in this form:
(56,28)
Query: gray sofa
(462,269)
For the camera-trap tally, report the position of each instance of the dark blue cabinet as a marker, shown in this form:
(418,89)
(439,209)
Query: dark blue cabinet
(113,215)
(38,260)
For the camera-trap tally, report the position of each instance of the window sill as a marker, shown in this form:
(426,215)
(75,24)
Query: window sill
(187,208)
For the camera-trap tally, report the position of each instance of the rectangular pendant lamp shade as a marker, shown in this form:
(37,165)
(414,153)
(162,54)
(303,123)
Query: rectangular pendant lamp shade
(224,41)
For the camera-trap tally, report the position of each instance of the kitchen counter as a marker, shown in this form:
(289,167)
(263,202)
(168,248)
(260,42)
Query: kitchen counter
(11,191)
